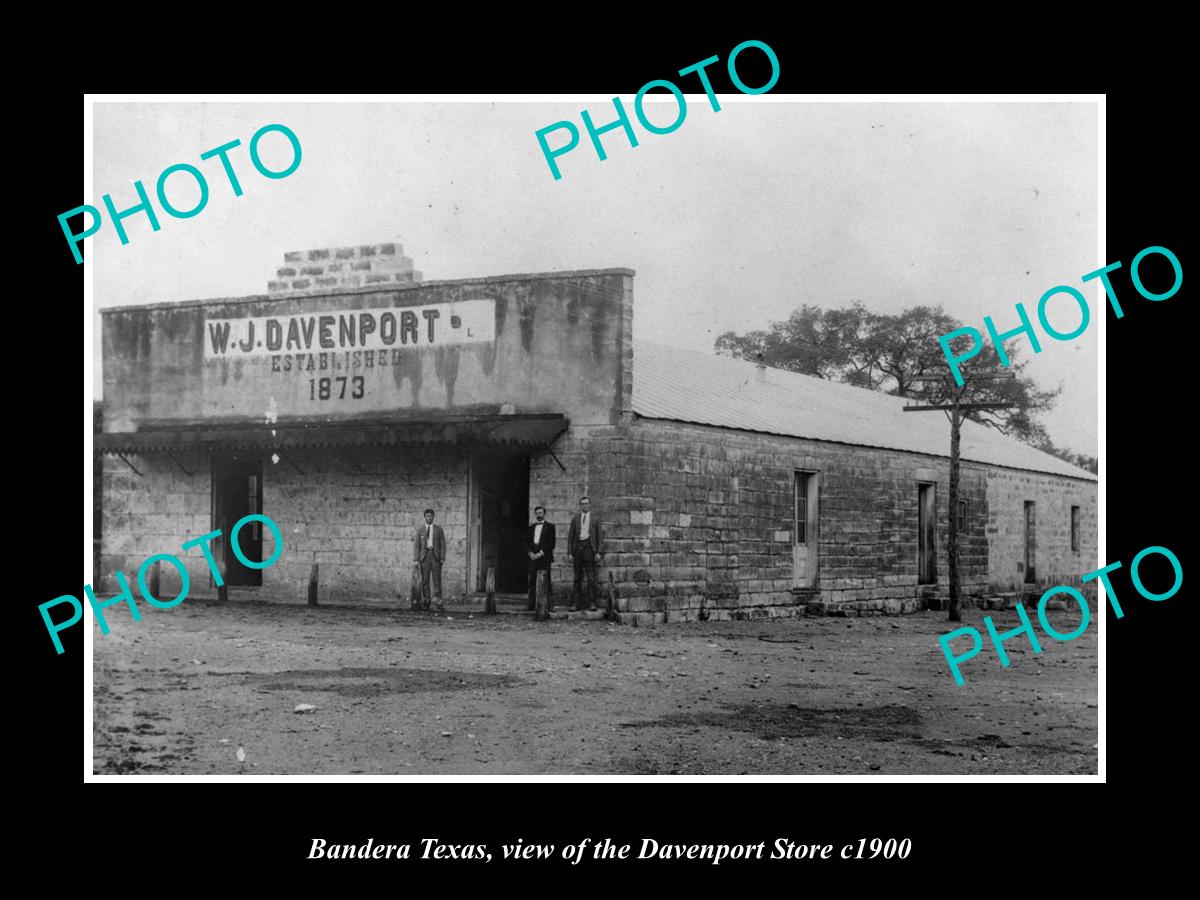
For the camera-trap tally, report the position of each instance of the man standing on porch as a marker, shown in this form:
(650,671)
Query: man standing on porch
(583,548)
(539,547)
(429,550)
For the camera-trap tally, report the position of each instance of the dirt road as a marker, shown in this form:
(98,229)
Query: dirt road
(396,692)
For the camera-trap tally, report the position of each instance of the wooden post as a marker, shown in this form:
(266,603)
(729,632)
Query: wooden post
(611,612)
(952,531)
(415,592)
(312,583)
(489,585)
(542,610)
(223,589)
(952,400)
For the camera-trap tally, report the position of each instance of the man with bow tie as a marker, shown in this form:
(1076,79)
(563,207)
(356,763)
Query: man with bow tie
(539,548)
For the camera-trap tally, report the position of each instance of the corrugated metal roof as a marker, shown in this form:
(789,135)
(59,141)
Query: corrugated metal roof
(687,386)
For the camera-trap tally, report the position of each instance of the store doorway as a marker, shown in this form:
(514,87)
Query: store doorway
(237,492)
(500,515)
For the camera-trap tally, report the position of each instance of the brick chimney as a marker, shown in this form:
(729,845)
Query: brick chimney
(306,270)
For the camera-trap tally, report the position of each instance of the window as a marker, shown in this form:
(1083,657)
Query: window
(1075,528)
(801,507)
(963,515)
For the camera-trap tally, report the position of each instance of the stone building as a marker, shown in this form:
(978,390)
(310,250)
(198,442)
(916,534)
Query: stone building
(342,409)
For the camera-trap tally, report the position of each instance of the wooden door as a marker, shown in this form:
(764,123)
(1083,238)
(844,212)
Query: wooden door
(476,572)
(927,534)
(1030,541)
(804,530)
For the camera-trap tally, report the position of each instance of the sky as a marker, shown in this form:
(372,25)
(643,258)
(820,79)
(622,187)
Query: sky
(732,221)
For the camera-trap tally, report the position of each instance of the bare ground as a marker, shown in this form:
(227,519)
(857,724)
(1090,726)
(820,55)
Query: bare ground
(397,692)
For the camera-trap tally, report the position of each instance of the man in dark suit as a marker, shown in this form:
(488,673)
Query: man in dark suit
(583,547)
(429,550)
(539,547)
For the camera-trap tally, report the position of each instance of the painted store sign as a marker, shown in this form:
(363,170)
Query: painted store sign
(396,328)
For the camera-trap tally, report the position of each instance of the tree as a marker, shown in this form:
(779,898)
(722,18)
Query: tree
(900,354)
(1090,463)
(886,353)
(812,341)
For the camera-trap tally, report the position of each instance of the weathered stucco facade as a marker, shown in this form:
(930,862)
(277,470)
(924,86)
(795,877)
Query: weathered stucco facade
(345,434)
(342,414)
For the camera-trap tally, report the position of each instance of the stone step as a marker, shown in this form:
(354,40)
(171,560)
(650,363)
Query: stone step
(894,607)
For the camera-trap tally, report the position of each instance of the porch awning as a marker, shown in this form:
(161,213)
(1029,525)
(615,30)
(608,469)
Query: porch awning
(529,431)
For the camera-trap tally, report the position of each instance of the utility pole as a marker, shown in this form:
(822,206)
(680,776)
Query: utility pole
(950,399)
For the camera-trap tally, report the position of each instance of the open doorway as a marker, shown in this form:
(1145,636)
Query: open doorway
(237,492)
(500,515)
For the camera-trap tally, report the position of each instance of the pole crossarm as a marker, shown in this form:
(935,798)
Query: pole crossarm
(961,406)
(974,376)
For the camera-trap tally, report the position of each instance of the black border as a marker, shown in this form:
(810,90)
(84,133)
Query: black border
(957,828)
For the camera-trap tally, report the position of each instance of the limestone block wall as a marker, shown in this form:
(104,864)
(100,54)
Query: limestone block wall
(703,520)
(697,521)
(1054,561)
(154,512)
(365,264)
(355,512)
